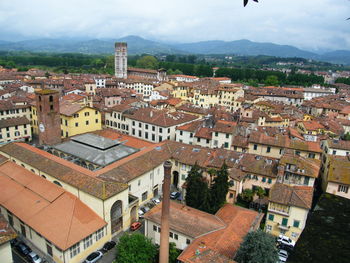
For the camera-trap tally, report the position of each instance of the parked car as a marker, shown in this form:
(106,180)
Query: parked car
(94,257)
(108,246)
(155,201)
(141,213)
(134,226)
(285,241)
(175,195)
(145,209)
(33,258)
(23,248)
(14,241)
(282,255)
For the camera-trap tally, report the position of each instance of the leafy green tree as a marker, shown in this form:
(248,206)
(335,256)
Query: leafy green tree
(247,195)
(219,189)
(135,248)
(347,136)
(260,192)
(149,62)
(271,80)
(173,252)
(196,188)
(257,247)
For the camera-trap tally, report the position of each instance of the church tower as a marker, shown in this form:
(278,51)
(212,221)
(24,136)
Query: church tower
(48,112)
(121,60)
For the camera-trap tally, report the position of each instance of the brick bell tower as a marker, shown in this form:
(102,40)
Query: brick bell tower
(48,112)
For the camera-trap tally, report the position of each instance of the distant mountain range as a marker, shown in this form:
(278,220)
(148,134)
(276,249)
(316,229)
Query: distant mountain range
(138,45)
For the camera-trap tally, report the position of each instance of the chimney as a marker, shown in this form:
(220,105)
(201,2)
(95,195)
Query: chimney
(164,234)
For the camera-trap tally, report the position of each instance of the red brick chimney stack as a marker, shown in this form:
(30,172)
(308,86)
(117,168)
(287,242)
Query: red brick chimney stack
(164,234)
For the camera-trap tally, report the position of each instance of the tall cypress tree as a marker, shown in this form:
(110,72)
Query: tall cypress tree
(219,189)
(196,187)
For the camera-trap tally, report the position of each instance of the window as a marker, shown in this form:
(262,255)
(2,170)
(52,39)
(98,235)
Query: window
(294,235)
(297,153)
(188,241)
(306,180)
(181,132)
(160,138)
(284,221)
(51,107)
(133,131)
(51,98)
(343,188)
(263,179)
(268,149)
(268,228)
(227,135)
(334,152)
(87,113)
(146,126)
(76,124)
(171,234)
(176,236)
(140,133)
(160,130)
(66,122)
(216,134)
(226,145)
(153,128)
(133,123)
(312,155)
(144,196)
(96,120)
(296,223)
(153,137)
(99,234)
(74,250)
(49,249)
(154,228)
(140,125)
(269,180)
(159,229)
(271,217)
(255,147)
(87,241)
(10,218)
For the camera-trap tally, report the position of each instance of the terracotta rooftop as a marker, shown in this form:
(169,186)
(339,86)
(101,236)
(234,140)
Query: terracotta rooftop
(339,169)
(304,166)
(11,122)
(222,245)
(339,144)
(63,170)
(47,208)
(299,196)
(187,220)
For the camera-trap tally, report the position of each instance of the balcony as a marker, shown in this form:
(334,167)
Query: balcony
(283,227)
(283,213)
(133,200)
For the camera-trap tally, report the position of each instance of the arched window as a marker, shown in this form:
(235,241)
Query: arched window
(51,98)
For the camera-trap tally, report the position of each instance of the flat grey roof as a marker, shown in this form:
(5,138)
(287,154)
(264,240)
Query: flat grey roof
(101,154)
(95,140)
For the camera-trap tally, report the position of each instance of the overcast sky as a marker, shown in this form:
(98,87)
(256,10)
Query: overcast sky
(308,24)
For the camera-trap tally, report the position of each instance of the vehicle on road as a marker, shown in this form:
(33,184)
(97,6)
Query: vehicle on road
(155,200)
(145,209)
(108,246)
(94,257)
(23,248)
(285,241)
(134,226)
(282,255)
(175,195)
(33,258)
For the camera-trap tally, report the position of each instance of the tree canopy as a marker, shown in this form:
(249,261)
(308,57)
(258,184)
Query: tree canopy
(200,196)
(149,62)
(257,247)
(135,248)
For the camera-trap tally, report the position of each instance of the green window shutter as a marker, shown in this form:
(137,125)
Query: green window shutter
(269,180)
(296,223)
(284,221)
(271,217)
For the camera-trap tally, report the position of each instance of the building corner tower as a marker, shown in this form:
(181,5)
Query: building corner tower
(121,60)
(48,112)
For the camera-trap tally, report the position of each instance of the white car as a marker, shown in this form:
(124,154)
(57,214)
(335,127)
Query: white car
(155,201)
(141,213)
(94,257)
(33,257)
(282,255)
(285,241)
